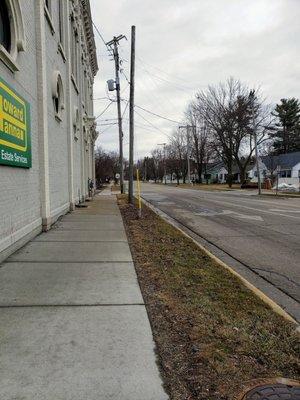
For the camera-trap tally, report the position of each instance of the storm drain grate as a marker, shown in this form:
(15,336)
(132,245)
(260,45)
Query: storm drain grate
(273,391)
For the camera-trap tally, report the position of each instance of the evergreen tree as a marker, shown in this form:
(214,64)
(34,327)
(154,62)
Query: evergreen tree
(286,133)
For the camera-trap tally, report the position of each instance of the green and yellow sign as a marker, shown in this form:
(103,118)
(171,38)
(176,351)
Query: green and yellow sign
(15,134)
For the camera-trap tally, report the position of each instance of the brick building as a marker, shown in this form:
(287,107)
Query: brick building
(47,129)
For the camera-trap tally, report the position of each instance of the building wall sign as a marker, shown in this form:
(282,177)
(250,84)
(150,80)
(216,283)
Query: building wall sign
(15,131)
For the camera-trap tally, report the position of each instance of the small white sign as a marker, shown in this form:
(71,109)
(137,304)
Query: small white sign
(117,176)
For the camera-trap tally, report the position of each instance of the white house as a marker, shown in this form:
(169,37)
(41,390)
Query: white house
(285,167)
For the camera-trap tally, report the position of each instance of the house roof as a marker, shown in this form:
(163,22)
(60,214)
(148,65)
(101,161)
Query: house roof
(214,167)
(217,166)
(288,160)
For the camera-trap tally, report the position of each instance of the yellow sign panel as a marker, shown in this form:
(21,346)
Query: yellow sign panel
(15,148)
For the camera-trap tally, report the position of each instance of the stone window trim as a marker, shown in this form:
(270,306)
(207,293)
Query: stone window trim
(58,95)
(62,29)
(74,83)
(61,51)
(74,53)
(76,123)
(17,36)
(47,10)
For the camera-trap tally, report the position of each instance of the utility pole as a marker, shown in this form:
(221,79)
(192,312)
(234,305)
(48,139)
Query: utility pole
(145,169)
(131,115)
(252,98)
(256,152)
(188,127)
(113,44)
(165,165)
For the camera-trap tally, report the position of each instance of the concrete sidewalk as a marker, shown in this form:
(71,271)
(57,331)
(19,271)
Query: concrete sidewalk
(73,325)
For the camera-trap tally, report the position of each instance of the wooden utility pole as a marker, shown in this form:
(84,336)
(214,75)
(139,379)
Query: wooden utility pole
(256,152)
(113,44)
(131,115)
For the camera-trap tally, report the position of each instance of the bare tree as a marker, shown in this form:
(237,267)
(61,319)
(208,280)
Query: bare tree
(201,144)
(106,164)
(229,110)
(178,152)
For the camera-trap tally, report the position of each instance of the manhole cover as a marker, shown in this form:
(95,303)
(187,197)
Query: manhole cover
(274,392)
(272,389)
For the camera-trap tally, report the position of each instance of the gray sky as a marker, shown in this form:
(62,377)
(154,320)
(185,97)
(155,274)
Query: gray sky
(182,46)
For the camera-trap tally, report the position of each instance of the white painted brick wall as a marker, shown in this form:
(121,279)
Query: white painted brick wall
(19,187)
(20,201)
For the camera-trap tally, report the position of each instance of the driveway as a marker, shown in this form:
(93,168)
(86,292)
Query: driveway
(258,236)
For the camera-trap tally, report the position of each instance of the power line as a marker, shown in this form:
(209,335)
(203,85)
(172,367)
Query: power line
(99,33)
(109,123)
(157,115)
(127,103)
(150,123)
(159,94)
(167,74)
(101,98)
(123,73)
(105,109)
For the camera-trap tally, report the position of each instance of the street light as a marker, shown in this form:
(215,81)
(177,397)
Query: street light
(165,168)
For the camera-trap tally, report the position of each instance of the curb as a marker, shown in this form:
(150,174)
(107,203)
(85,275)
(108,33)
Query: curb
(271,303)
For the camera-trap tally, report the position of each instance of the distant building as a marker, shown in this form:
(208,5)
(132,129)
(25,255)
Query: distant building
(47,128)
(285,167)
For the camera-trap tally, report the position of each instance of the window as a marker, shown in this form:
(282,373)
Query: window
(12,38)
(287,173)
(74,53)
(61,22)
(5,37)
(58,95)
(76,123)
(61,31)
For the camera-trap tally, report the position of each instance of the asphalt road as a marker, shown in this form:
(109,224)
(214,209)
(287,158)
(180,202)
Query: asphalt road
(258,236)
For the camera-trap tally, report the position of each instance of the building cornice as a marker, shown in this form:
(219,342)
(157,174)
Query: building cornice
(90,39)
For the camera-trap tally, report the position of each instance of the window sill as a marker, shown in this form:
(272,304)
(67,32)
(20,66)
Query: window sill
(49,19)
(7,59)
(74,83)
(62,52)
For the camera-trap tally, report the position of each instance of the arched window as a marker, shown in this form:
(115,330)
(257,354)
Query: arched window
(58,95)
(12,38)
(5,36)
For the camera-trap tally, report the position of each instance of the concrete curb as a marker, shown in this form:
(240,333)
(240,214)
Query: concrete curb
(274,306)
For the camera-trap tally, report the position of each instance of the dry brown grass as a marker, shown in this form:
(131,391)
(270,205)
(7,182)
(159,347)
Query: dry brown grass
(212,334)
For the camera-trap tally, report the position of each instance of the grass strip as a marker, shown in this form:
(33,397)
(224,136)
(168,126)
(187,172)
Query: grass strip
(212,334)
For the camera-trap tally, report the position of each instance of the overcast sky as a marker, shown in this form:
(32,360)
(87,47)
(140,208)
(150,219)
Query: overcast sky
(185,45)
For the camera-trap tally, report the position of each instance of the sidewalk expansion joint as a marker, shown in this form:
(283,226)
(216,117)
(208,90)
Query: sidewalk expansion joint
(66,262)
(71,305)
(79,241)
